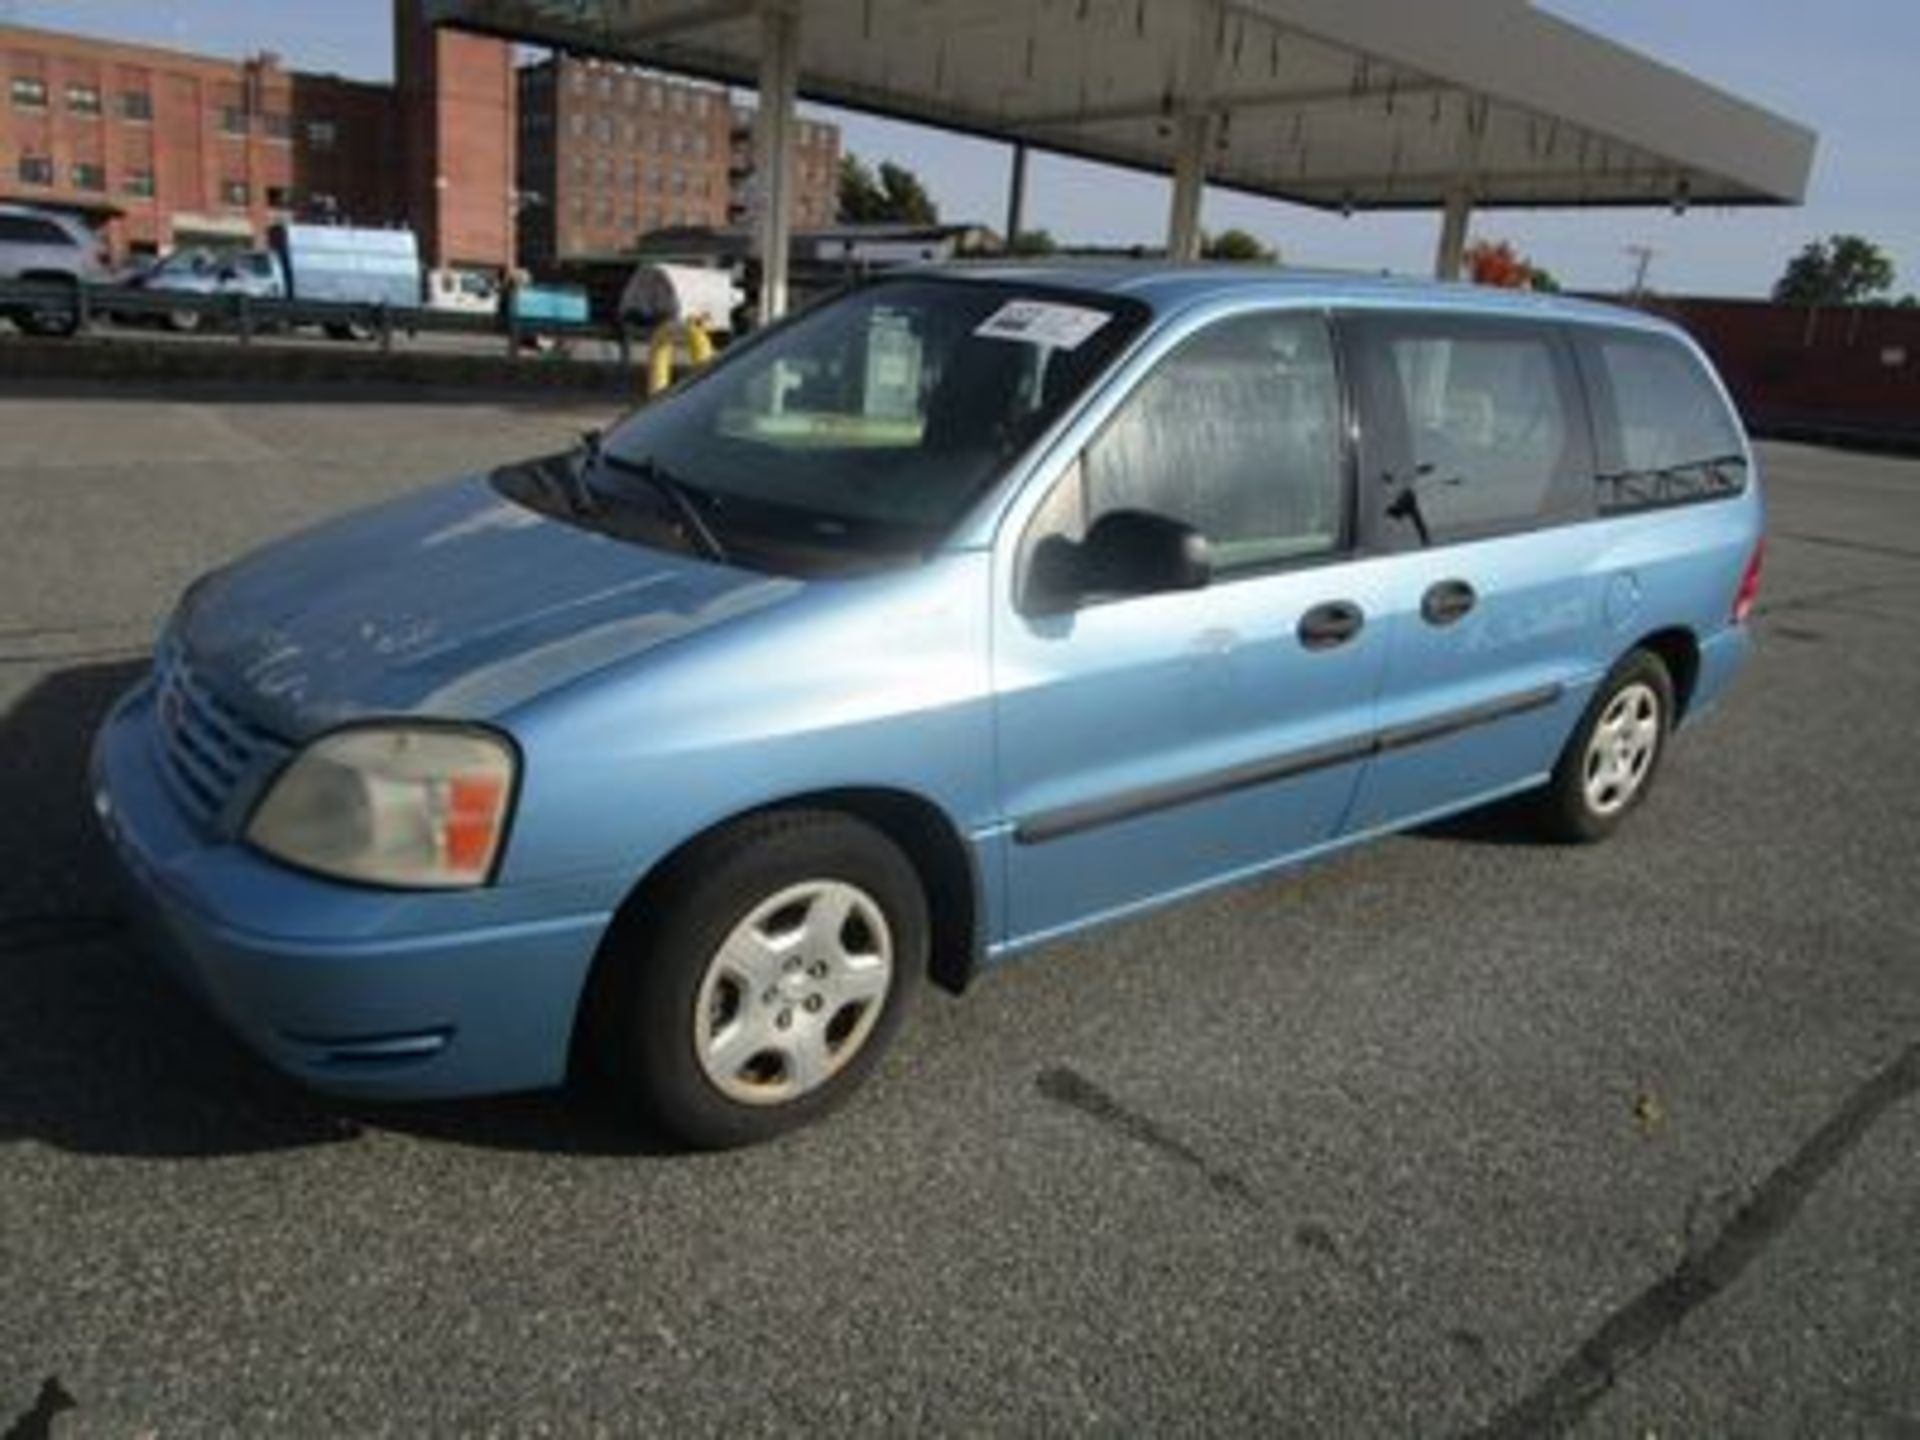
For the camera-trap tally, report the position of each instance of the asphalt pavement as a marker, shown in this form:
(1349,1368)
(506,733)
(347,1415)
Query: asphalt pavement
(1454,1133)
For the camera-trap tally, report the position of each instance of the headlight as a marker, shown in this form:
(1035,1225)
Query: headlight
(415,806)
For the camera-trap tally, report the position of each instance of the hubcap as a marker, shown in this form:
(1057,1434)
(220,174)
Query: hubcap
(1621,750)
(793,992)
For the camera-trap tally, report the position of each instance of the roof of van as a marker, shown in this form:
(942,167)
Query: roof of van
(1167,286)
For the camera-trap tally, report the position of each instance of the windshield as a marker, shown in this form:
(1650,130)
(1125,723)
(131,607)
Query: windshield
(872,422)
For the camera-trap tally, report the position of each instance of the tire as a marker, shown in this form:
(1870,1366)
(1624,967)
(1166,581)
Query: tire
(728,1008)
(1614,753)
(57,322)
(183,322)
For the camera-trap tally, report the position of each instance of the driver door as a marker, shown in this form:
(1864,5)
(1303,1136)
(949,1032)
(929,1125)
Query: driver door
(1153,744)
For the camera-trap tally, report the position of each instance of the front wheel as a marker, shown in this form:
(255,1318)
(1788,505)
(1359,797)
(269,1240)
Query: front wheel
(775,964)
(1611,758)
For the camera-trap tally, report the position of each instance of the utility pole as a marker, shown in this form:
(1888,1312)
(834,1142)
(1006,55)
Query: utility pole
(1642,263)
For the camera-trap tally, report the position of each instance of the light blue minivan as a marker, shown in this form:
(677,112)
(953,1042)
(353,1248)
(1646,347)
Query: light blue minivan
(965,610)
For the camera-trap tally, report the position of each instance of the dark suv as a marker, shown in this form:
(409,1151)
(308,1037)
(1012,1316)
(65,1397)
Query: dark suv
(45,245)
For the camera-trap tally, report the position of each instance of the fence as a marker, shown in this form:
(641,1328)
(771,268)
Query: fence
(58,305)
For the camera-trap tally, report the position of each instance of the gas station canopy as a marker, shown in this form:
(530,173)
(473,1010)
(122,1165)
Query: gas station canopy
(1347,104)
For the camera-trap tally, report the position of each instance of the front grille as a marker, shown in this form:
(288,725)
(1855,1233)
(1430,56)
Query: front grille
(208,749)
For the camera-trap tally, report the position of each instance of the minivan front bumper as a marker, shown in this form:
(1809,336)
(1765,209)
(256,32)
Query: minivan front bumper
(370,993)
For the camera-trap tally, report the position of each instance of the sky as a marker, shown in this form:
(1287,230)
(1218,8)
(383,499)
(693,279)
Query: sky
(1850,69)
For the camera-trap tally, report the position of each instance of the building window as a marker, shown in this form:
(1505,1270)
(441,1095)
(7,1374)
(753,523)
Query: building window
(138,182)
(700,105)
(579,81)
(276,126)
(136,105)
(279,197)
(30,91)
(603,130)
(606,87)
(83,99)
(653,97)
(233,120)
(677,100)
(36,170)
(234,193)
(630,130)
(89,175)
(577,125)
(630,92)
(322,134)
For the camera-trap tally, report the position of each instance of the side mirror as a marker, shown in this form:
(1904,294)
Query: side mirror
(1127,552)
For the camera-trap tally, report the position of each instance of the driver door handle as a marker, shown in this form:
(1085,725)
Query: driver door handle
(1333,624)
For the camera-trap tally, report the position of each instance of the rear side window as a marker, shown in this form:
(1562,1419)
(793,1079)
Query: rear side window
(1672,438)
(1236,433)
(26,230)
(1492,431)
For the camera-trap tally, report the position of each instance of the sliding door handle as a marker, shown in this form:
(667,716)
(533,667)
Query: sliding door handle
(1332,624)
(1446,602)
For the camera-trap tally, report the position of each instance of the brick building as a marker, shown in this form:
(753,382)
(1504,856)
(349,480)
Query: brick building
(816,192)
(455,100)
(161,148)
(562,158)
(609,152)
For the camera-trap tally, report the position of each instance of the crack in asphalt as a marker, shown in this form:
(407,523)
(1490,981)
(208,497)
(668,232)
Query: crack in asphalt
(1559,1401)
(1824,599)
(1069,1087)
(1836,542)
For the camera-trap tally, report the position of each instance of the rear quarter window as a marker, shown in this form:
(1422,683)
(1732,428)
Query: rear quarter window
(1666,436)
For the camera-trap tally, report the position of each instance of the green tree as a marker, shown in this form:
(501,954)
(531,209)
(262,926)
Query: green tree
(1236,245)
(861,200)
(907,199)
(1033,242)
(1840,270)
(894,195)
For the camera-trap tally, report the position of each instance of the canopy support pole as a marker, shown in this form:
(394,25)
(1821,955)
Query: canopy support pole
(1017,194)
(1452,253)
(1189,181)
(773,153)
(1193,136)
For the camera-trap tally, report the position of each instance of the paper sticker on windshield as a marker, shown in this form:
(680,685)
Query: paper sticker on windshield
(1042,322)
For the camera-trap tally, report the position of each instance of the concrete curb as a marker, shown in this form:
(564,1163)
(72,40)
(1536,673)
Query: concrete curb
(125,358)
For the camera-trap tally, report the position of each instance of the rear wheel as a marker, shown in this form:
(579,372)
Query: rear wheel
(57,318)
(1610,760)
(776,963)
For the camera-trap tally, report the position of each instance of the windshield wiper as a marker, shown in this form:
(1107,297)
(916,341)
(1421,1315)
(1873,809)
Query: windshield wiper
(579,493)
(676,493)
(673,491)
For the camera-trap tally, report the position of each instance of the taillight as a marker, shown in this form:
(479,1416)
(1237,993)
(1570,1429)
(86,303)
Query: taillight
(1749,590)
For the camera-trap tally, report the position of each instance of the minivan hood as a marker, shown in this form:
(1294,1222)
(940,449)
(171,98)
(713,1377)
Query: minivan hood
(453,601)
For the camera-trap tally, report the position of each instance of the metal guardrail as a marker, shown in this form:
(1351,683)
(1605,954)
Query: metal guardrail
(248,317)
